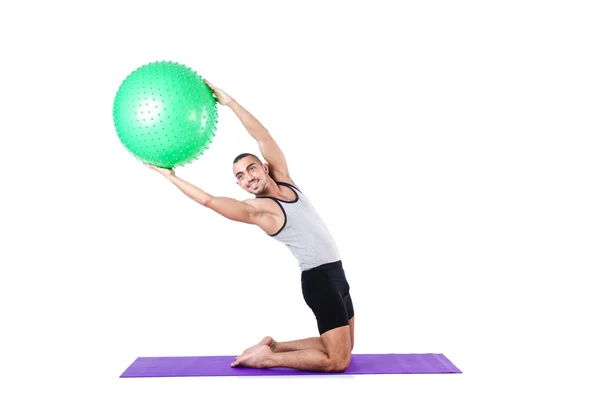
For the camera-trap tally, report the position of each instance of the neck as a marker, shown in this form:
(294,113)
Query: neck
(271,189)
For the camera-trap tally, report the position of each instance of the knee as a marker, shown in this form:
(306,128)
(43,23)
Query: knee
(340,364)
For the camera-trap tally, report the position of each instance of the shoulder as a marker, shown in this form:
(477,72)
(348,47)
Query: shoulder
(263,204)
(267,215)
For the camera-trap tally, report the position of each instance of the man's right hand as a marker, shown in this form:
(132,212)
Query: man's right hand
(165,171)
(222,97)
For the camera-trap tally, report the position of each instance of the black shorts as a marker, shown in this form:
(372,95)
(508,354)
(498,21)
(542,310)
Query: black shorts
(327,293)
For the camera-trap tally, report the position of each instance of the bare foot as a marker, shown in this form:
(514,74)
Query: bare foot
(257,359)
(266,341)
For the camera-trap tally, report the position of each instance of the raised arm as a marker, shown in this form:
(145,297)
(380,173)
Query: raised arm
(269,149)
(229,208)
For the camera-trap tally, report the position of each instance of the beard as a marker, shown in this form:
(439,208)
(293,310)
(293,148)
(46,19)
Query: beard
(258,189)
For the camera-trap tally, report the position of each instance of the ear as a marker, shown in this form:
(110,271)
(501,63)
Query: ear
(266,168)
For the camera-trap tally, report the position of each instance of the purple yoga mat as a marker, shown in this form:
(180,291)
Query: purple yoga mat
(151,367)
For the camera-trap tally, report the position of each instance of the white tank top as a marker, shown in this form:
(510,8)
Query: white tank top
(304,232)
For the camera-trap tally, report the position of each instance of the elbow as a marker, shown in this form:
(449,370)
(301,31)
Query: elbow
(206,202)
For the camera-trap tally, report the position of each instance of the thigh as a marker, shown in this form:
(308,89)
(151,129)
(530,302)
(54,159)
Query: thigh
(351,325)
(338,277)
(324,299)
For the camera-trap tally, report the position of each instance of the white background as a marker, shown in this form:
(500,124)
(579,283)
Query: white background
(451,147)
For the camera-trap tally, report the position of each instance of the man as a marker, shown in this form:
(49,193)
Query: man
(283,212)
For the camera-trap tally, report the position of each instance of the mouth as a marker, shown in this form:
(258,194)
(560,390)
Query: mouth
(253,185)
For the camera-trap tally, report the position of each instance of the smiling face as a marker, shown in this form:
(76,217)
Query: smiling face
(250,173)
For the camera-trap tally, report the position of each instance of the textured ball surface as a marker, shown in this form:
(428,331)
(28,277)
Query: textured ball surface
(165,114)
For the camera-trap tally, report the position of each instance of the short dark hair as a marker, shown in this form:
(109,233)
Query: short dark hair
(241,156)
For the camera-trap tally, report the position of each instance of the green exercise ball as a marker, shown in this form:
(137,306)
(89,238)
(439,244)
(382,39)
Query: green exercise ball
(165,114)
